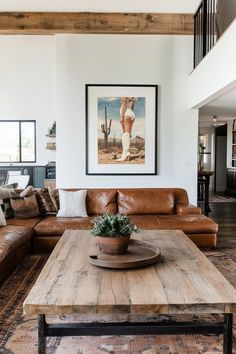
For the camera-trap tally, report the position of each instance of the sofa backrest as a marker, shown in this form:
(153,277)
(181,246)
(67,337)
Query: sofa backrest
(101,201)
(134,201)
(150,201)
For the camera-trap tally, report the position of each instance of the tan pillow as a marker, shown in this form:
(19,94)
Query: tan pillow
(25,204)
(45,202)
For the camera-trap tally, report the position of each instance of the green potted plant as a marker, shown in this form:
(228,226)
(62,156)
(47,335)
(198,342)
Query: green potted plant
(113,232)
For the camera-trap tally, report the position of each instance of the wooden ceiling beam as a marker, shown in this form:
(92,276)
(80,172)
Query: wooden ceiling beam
(95,23)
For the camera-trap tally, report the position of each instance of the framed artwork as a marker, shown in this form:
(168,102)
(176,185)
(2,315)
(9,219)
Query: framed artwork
(121,129)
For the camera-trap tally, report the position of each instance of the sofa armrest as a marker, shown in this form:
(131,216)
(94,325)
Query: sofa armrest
(189,209)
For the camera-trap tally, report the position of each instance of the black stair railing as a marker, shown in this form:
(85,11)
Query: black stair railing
(204,29)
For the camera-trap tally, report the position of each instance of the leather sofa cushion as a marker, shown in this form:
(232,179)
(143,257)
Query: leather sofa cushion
(146,201)
(30,223)
(204,240)
(98,201)
(101,201)
(145,222)
(56,226)
(189,224)
(11,238)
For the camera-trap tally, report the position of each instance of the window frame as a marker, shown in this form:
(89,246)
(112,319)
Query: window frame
(20,121)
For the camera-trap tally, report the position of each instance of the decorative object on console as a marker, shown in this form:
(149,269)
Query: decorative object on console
(201,150)
(52,130)
(51,146)
(72,204)
(25,204)
(51,134)
(113,233)
(121,129)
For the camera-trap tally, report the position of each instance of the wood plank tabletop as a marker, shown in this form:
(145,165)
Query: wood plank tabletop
(183,281)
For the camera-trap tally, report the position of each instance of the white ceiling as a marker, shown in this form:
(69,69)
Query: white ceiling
(224,105)
(207,121)
(181,6)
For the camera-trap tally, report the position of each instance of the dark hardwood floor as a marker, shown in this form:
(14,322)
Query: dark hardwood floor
(224,214)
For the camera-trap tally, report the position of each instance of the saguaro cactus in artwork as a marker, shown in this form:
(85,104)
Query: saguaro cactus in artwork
(106,129)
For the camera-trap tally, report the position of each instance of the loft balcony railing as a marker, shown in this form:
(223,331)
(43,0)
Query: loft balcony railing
(204,29)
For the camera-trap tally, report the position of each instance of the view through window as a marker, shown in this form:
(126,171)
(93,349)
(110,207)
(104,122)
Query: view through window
(17,141)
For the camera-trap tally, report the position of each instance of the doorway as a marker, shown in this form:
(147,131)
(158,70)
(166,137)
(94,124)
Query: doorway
(220,176)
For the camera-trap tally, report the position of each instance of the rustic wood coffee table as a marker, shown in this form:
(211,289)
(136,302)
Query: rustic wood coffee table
(183,282)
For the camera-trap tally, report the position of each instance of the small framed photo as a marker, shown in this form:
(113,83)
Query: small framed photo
(121,129)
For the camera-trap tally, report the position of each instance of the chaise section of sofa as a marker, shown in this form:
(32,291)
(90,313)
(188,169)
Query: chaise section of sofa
(167,209)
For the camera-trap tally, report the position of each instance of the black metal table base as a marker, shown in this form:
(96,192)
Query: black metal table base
(135,328)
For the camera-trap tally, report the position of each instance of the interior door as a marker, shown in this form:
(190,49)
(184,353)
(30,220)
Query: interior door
(221,159)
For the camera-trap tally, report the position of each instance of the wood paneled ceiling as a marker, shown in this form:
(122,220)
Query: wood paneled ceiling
(39,23)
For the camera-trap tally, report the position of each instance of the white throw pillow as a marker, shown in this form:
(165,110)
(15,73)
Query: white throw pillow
(72,204)
(2,218)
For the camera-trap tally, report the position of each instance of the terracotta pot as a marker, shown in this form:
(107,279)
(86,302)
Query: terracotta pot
(113,245)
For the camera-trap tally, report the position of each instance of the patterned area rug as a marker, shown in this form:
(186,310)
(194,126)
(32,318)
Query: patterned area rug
(18,333)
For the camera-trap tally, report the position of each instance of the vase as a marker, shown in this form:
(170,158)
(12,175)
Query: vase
(113,245)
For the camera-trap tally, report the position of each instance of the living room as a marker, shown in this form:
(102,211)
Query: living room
(50,76)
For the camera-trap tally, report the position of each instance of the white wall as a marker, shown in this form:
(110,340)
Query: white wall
(33,69)
(101,59)
(102,5)
(216,74)
(27,85)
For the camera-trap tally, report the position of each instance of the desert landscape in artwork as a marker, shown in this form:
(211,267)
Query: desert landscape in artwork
(113,139)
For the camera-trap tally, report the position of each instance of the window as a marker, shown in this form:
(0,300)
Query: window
(17,141)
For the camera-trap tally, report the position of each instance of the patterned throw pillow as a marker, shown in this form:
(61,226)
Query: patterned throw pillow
(5,202)
(25,204)
(45,202)
(2,218)
(54,194)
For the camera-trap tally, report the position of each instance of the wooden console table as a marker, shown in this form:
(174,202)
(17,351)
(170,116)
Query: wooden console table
(206,175)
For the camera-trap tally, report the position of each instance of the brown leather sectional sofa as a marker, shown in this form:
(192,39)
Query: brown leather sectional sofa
(161,209)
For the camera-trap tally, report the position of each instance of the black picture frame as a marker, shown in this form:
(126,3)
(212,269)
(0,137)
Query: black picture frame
(96,97)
